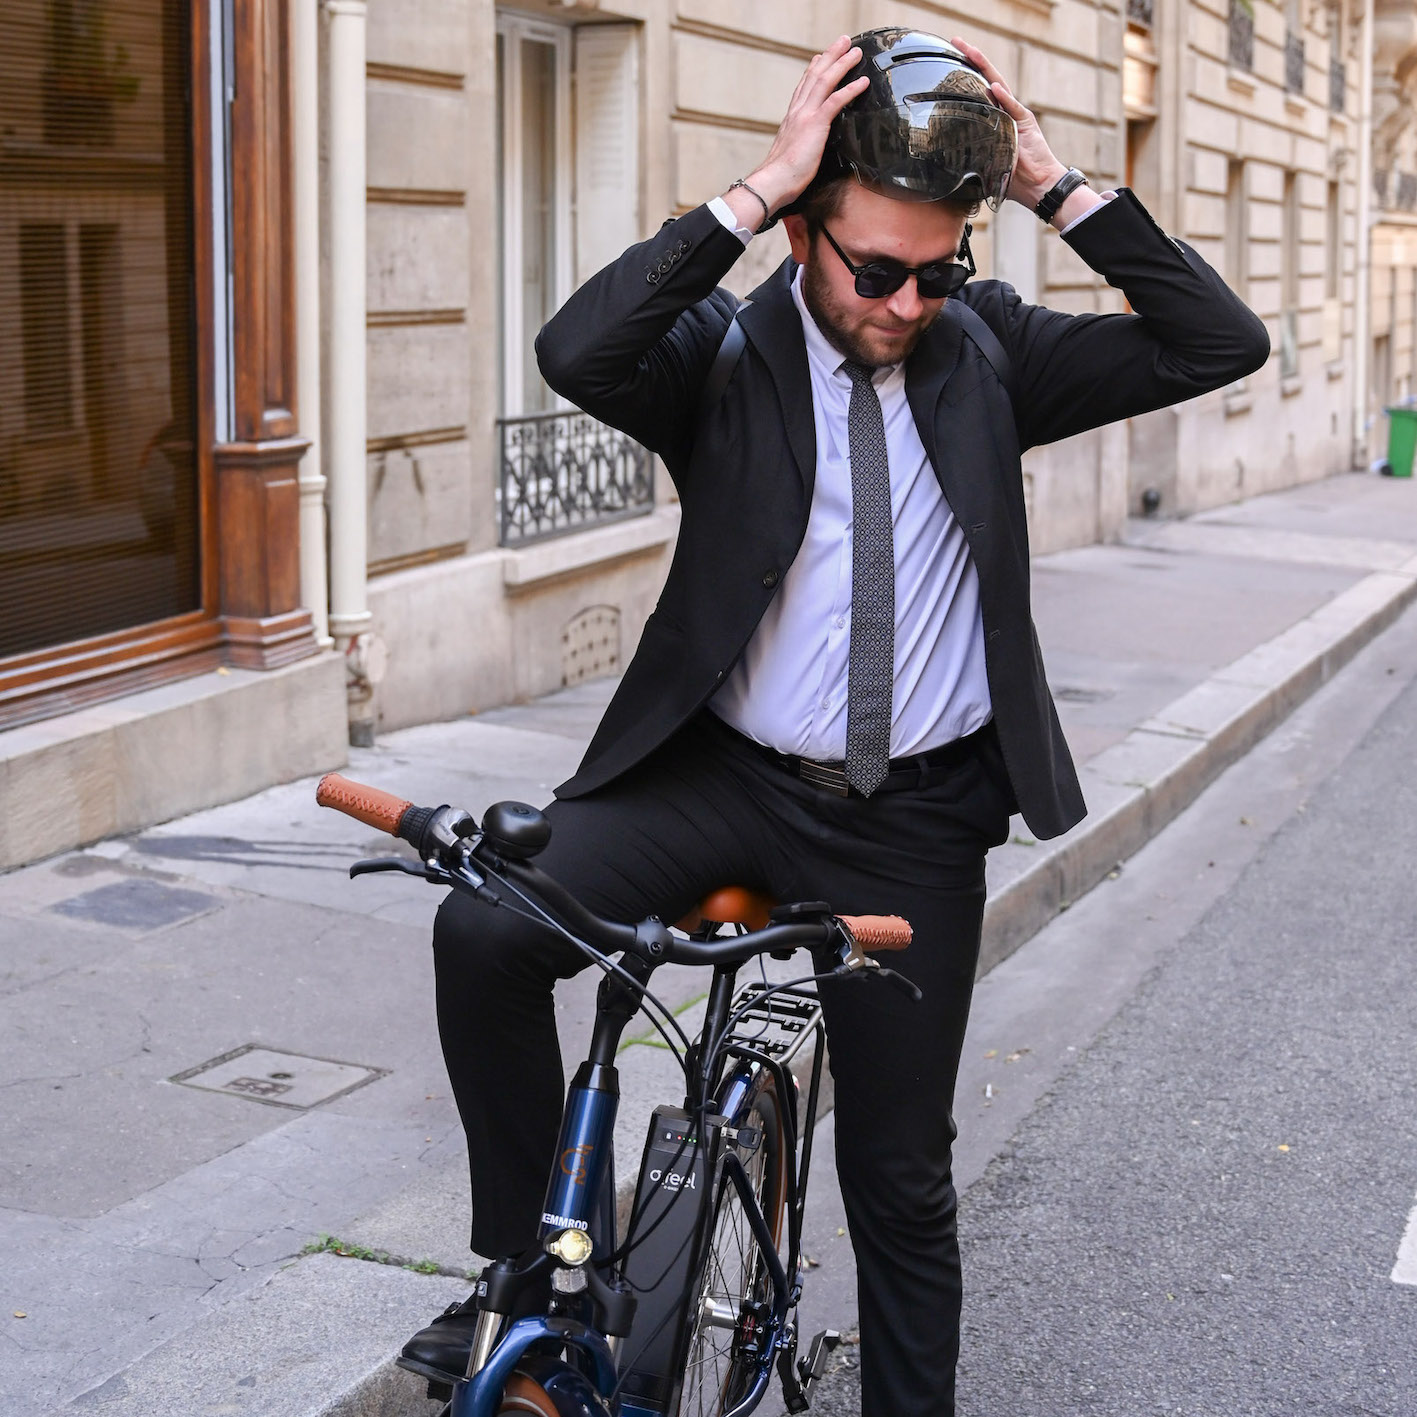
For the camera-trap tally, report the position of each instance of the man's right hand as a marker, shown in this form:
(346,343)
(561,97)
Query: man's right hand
(796,151)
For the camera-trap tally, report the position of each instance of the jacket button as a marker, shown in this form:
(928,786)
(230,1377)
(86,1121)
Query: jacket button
(683,247)
(653,277)
(769,579)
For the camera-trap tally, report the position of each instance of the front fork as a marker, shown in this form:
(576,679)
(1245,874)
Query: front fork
(580,1196)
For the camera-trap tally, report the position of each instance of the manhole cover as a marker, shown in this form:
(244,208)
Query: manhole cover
(280,1079)
(135,905)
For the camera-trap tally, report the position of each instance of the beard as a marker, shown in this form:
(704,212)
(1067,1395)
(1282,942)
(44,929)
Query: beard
(854,342)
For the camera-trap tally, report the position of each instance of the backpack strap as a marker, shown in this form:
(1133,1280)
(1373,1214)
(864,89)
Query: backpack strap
(724,362)
(974,325)
(988,344)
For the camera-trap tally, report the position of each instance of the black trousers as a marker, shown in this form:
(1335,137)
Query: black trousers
(708,810)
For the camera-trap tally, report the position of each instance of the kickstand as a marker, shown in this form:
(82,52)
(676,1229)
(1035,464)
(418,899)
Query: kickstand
(800,1378)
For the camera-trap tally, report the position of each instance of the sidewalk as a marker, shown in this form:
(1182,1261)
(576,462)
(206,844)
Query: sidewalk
(154,1216)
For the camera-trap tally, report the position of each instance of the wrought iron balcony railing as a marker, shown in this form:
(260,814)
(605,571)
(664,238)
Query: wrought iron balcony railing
(1293,62)
(564,472)
(1141,12)
(1406,191)
(1242,34)
(1337,85)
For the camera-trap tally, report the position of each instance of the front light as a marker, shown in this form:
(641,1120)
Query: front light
(571,1247)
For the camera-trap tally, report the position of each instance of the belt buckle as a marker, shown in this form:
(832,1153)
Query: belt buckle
(830,777)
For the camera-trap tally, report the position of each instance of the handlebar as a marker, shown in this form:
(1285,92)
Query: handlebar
(449,841)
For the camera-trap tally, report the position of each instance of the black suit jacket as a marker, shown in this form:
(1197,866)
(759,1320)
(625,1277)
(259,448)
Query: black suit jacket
(634,345)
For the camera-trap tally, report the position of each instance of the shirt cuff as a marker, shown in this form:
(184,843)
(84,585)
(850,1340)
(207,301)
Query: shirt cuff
(1077,220)
(724,213)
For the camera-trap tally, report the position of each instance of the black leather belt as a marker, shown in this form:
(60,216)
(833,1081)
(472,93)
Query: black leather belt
(913,771)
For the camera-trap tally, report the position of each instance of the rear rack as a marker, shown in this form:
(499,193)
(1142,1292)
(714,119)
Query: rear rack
(778,1026)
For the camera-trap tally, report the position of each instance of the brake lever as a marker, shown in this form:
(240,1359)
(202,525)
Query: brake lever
(905,985)
(375,864)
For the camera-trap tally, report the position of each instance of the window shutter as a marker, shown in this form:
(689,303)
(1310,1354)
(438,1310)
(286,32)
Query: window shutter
(607,132)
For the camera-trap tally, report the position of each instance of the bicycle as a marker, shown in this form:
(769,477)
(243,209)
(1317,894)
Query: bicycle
(690,1312)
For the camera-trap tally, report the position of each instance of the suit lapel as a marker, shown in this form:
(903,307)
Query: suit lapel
(927,372)
(774,328)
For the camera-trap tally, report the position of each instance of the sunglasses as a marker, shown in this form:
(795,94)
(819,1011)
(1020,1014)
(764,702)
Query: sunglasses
(883,276)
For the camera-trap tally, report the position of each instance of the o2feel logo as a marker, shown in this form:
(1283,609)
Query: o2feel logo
(574,1161)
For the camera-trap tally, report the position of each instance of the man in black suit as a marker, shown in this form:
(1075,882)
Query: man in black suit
(840,695)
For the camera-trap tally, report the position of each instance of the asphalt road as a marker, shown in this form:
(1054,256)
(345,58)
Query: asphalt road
(1197,1204)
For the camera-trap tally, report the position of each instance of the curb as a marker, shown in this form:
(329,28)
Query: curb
(1140,784)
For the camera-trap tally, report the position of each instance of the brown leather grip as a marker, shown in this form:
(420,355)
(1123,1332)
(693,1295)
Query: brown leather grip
(370,805)
(879,932)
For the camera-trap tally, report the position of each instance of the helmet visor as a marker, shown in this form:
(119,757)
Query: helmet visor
(928,148)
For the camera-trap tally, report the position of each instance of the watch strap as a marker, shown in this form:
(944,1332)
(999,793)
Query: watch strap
(1059,193)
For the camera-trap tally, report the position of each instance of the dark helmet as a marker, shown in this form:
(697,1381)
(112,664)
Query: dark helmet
(926,127)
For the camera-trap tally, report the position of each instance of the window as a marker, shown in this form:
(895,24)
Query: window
(98,483)
(568,164)
(1333,275)
(1242,34)
(1337,74)
(1289,280)
(1333,254)
(568,174)
(534,131)
(1237,228)
(1293,47)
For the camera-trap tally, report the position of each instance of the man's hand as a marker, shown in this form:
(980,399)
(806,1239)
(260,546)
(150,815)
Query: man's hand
(796,151)
(1036,169)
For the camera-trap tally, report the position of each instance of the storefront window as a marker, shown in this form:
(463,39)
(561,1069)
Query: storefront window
(98,480)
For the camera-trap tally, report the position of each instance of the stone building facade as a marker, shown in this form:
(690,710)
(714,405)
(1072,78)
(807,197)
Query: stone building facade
(325,455)
(1236,122)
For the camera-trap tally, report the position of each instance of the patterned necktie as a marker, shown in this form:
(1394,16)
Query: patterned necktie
(871,668)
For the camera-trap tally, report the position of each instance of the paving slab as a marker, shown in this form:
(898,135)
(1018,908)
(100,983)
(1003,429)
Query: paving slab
(313,1339)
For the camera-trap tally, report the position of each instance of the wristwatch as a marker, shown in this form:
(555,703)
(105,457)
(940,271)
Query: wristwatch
(1058,193)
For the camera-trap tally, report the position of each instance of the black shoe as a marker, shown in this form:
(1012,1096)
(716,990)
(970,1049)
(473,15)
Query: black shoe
(441,1350)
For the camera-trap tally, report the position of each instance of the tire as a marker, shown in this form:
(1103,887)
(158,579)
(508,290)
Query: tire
(735,1276)
(547,1387)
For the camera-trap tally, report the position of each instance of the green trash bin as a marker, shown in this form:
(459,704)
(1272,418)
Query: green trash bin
(1401,440)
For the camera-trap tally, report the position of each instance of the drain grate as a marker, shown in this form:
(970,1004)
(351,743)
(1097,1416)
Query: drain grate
(278,1078)
(135,905)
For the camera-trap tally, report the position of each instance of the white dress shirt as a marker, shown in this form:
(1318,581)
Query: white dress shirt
(789,689)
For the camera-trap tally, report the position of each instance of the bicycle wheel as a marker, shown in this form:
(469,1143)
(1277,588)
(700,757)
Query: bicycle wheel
(736,1288)
(547,1387)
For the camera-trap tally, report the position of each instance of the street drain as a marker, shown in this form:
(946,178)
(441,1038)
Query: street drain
(276,1078)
